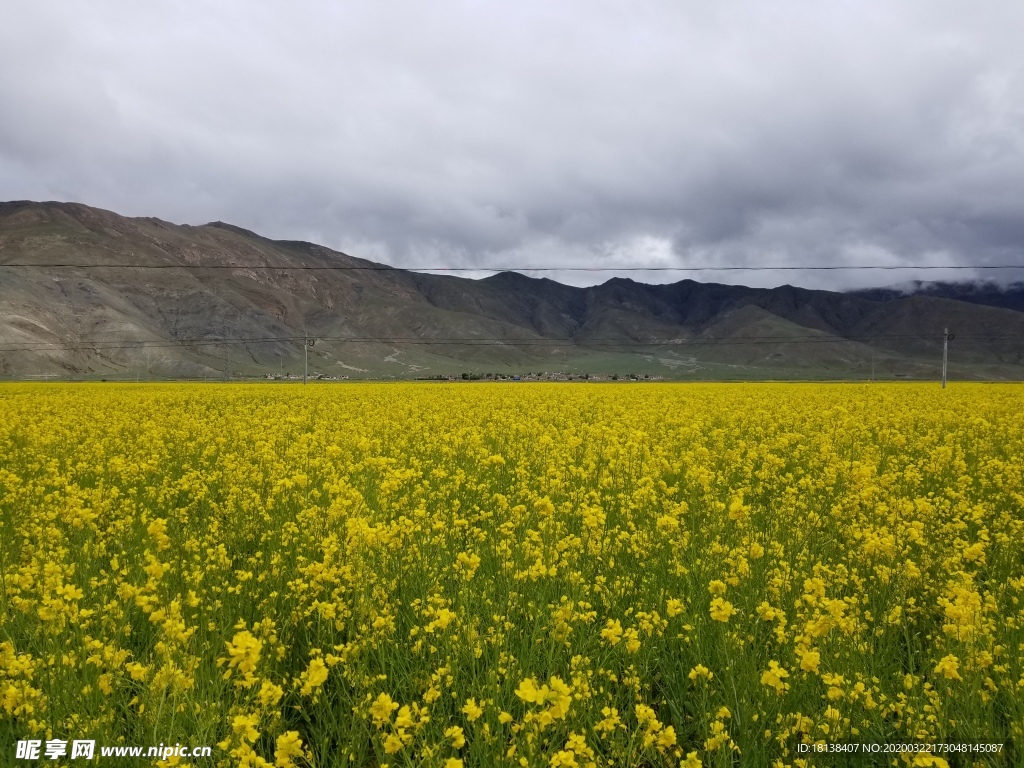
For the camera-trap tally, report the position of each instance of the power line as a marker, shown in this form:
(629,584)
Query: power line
(466,339)
(387,268)
(599,342)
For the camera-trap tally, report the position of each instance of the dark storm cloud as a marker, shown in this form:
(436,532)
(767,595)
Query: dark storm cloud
(583,132)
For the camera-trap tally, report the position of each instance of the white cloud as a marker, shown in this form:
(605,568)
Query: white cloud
(584,132)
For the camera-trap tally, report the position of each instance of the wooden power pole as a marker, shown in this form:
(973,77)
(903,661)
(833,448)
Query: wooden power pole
(946,338)
(305,371)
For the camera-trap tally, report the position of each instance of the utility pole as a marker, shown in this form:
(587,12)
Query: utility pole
(946,338)
(305,371)
(872,366)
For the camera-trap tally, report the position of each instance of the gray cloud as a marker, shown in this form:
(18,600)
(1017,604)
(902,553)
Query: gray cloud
(584,132)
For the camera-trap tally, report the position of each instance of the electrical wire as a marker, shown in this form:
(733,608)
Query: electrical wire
(387,268)
(594,342)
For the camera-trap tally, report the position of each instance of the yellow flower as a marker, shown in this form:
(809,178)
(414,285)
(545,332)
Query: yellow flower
(700,671)
(577,742)
(169,512)
(288,746)
(467,563)
(158,530)
(245,726)
(137,671)
(719,736)
(610,722)
(809,661)
(528,691)
(721,609)
(270,694)
(442,619)
(667,737)
(560,697)
(717,587)
(632,640)
(405,718)
(314,676)
(472,710)
(975,552)
(948,667)
(556,693)
(774,676)
(244,654)
(926,759)
(456,734)
(382,709)
(612,632)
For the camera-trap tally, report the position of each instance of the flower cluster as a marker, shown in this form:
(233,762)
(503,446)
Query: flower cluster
(552,575)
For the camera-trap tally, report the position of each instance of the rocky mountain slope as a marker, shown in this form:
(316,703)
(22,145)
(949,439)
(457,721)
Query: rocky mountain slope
(216,300)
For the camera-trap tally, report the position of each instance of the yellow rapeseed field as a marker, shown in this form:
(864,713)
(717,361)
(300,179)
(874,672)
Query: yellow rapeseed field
(513,575)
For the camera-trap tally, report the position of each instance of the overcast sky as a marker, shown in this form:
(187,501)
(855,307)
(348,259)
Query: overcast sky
(576,132)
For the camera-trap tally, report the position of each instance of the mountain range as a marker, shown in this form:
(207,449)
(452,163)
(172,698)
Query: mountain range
(87,293)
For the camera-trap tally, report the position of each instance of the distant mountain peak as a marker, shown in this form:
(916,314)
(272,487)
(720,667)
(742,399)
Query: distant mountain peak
(985,292)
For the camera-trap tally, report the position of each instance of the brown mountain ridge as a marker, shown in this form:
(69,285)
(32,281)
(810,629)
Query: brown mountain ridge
(183,319)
